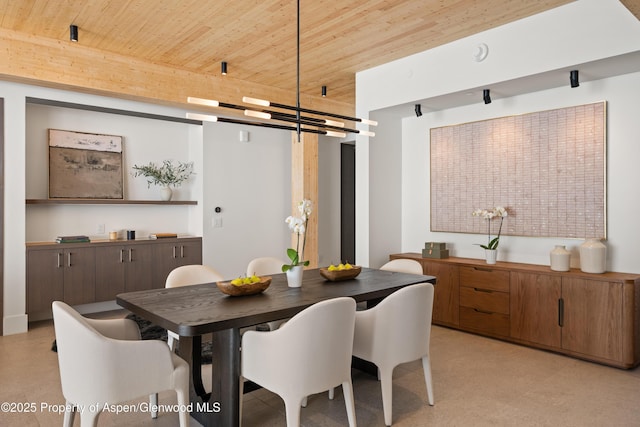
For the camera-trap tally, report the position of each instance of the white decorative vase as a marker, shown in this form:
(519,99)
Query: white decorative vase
(593,256)
(560,258)
(166,193)
(491,255)
(294,276)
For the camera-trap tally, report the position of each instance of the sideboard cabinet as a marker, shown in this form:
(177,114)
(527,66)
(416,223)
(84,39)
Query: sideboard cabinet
(590,316)
(82,273)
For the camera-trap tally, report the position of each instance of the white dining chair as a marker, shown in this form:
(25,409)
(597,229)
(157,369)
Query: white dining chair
(294,363)
(187,275)
(264,266)
(104,362)
(402,265)
(397,330)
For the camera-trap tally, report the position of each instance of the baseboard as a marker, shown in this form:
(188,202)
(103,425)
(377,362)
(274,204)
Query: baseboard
(16,324)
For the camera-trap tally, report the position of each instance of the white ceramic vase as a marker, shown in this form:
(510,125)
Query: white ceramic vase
(166,193)
(593,256)
(294,276)
(560,258)
(491,255)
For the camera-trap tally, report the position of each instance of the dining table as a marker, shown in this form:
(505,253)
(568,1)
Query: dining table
(197,310)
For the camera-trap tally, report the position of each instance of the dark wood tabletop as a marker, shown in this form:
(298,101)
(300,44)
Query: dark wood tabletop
(192,311)
(200,309)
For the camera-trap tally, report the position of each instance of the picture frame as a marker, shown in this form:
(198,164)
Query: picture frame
(85,165)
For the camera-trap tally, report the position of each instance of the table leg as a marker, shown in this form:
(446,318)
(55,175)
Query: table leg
(223,406)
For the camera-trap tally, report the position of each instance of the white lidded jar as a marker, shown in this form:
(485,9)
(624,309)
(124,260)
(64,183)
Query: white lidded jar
(593,256)
(560,258)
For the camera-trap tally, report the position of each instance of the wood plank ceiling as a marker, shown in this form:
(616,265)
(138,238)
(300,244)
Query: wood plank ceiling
(257,38)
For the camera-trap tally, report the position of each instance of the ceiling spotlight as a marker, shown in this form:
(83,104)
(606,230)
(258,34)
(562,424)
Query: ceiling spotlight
(418,110)
(223,68)
(486,96)
(324,91)
(573,78)
(73,33)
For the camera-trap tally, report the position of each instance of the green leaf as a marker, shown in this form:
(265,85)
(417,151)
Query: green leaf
(293,256)
(493,244)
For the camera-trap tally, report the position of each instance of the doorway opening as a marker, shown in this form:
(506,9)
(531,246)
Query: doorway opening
(348,202)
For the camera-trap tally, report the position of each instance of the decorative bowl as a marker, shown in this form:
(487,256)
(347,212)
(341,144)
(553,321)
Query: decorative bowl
(337,275)
(248,289)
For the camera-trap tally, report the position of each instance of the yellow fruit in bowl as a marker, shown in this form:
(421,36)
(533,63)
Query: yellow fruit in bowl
(332,268)
(341,266)
(237,282)
(348,266)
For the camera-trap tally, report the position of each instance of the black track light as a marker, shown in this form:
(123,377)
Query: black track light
(418,110)
(486,96)
(573,78)
(223,68)
(324,91)
(73,33)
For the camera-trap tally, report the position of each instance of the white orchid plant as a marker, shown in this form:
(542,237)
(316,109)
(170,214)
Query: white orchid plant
(298,225)
(490,214)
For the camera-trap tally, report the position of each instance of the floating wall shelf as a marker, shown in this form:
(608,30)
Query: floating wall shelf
(107,202)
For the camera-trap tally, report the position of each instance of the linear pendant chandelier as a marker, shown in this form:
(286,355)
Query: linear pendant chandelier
(282,116)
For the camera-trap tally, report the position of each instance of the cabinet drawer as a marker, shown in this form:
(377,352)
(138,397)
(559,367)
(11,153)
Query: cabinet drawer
(484,278)
(478,320)
(485,300)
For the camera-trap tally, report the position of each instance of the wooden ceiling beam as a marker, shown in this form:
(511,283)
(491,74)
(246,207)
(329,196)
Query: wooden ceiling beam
(63,64)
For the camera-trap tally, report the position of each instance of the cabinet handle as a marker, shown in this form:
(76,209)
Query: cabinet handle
(130,255)
(482,269)
(69,259)
(121,256)
(482,311)
(59,260)
(560,312)
(182,251)
(174,252)
(483,290)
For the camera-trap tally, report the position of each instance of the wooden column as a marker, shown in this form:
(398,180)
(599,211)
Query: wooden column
(304,185)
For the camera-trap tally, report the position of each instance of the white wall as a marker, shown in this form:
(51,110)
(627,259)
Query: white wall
(144,140)
(250,181)
(623,151)
(580,32)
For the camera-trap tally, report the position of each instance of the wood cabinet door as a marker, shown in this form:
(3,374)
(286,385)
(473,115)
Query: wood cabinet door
(45,279)
(79,275)
(139,267)
(110,269)
(535,308)
(446,298)
(593,312)
(189,253)
(169,255)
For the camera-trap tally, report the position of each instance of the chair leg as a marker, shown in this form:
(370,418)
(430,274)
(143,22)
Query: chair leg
(347,390)
(293,414)
(153,401)
(386,383)
(426,367)
(183,402)
(331,393)
(241,398)
(69,415)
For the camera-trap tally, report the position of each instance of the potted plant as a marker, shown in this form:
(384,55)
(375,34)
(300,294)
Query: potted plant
(298,225)
(166,175)
(491,248)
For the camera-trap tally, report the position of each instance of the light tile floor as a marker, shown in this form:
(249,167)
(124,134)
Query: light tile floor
(478,382)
